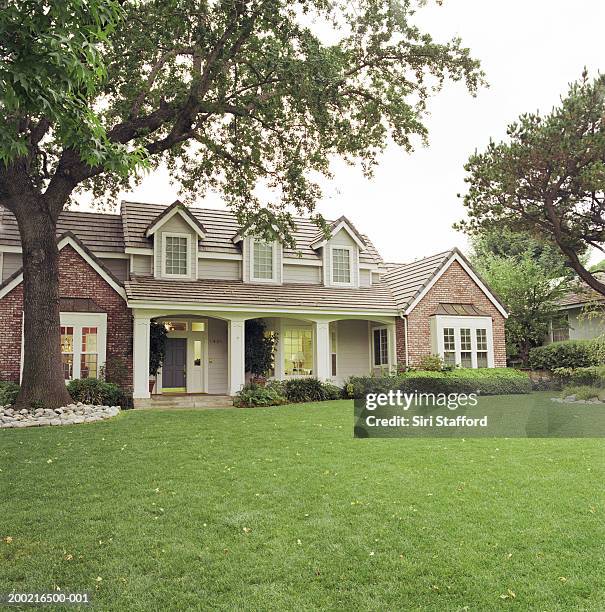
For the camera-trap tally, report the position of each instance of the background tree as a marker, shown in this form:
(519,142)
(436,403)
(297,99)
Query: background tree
(530,277)
(230,95)
(548,178)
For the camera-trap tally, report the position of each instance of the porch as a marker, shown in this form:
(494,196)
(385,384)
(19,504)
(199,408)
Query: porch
(205,353)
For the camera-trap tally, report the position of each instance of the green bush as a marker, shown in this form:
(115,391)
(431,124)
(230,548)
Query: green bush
(592,376)
(584,392)
(309,390)
(568,354)
(433,363)
(256,395)
(8,393)
(95,391)
(486,381)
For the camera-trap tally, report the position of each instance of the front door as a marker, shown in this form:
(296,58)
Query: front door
(175,364)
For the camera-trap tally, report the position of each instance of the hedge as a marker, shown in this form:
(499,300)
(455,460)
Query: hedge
(293,391)
(593,376)
(568,354)
(485,381)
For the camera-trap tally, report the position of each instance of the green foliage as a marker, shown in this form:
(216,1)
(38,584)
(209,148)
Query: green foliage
(253,395)
(259,348)
(584,392)
(115,371)
(548,178)
(309,390)
(94,391)
(486,381)
(568,354)
(157,346)
(592,376)
(433,363)
(8,393)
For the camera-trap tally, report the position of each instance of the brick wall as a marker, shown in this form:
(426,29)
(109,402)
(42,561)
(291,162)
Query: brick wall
(76,279)
(454,286)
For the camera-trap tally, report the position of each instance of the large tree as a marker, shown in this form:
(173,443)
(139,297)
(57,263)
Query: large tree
(547,178)
(230,95)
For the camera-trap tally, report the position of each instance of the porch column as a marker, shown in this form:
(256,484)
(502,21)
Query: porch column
(140,357)
(322,350)
(236,338)
(392,344)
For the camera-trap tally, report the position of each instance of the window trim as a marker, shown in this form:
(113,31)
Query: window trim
(564,316)
(388,361)
(304,328)
(351,250)
(441,322)
(165,235)
(274,277)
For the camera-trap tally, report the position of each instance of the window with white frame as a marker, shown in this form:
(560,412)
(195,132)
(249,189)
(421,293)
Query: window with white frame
(341,266)
(83,344)
(449,346)
(560,328)
(466,348)
(67,351)
(464,341)
(176,255)
(89,355)
(482,361)
(381,346)
(262,260)
(297,345)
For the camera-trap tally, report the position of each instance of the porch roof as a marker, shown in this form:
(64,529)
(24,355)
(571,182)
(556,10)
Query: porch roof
(305,297)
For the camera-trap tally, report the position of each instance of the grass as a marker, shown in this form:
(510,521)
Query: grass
(280,508)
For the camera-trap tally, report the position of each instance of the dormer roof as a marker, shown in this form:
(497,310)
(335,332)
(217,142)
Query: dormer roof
(176,208)
(342,223)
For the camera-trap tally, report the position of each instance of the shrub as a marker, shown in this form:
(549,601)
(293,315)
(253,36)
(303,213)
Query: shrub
(309,390)
(583,392)
(432,363)
(592,376)
(486,381)
(8,393)
(568,354)
(256,395)
(95,391)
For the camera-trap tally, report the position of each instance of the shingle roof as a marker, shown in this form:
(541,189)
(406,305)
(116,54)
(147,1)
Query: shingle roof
(319,236)
(582,293)
(378,297)
(460,310)
(408,280)
(97,231)
(184,210)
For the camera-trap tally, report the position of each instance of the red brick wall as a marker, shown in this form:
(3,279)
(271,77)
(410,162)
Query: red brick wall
(76,279)
(454,286)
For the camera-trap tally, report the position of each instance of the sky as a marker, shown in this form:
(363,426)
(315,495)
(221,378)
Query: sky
(530,51)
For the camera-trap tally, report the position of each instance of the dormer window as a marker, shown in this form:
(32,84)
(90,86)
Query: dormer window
(341,265)
(176,249)
(263,261)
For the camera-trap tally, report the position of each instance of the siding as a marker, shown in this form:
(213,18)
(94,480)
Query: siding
(12,262)
(179,226)
(217,356)
(142,265)
(118,267)
(582,327)
(365,278)
(294,273)
(352,349)
(224,269)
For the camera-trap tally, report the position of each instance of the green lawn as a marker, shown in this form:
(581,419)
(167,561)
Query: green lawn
(281,508)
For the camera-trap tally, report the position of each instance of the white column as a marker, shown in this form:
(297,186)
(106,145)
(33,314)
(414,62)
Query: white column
(140,358)
(392,345)
(322,350)
(236,336)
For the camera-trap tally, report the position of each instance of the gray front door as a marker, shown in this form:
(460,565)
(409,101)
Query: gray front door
(175,363)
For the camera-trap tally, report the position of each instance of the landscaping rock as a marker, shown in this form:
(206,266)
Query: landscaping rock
(73,414)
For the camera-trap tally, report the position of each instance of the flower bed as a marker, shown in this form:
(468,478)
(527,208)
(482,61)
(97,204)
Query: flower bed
(73,414)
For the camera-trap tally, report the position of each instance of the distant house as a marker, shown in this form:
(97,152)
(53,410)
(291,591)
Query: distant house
(337,309)
(581,315)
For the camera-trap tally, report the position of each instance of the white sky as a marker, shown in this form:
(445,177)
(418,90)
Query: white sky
(530,50)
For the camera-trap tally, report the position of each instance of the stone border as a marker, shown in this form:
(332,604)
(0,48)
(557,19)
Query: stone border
(572,399)
(73,414)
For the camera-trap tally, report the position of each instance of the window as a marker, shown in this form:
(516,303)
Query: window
(481,348)
(175,326)
(262,267)
(449,346)
(560,328)
(89,356)
(67,351)
(341,266)
(176,255)
(198,326)
(197,352)
(466,350)
(298,351)
(381,347)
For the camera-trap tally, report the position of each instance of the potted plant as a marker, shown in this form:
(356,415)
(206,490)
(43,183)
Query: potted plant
(259,349)
(157,350)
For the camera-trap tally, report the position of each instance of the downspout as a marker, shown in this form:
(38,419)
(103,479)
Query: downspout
(405,339)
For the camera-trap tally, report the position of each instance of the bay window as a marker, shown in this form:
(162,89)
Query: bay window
(463,341)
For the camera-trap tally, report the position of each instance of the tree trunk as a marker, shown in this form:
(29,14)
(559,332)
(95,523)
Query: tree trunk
(43,380)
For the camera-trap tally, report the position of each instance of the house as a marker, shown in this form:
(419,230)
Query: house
(337,309)
(580,315)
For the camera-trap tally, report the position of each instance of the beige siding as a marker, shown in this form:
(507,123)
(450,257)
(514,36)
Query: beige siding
(352,349)
(142,265)
(582,327)
(118,267)
(12,262)
(365,278)
(175,225)
(294,273)
(375,278)
(217,356)
(228,269)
